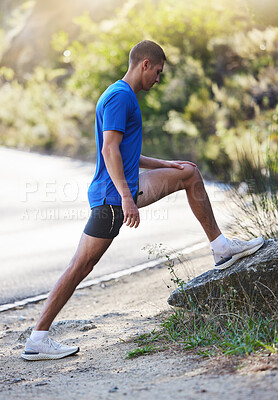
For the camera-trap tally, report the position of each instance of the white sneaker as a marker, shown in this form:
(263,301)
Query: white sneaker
(46,349)
(236,250)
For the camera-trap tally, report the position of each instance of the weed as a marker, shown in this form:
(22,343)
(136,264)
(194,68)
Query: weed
(146,338)
(141,351)
(226,333)
(170,258)
(256,198)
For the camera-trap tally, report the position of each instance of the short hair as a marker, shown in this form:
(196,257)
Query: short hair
(146,49)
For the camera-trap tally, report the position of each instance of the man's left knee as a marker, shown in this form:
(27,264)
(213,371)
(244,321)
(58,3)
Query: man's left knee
(192,173)
(195,179)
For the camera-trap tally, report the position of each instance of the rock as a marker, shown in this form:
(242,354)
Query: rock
(87,327)
(250,284)
(17,380)
(114,389)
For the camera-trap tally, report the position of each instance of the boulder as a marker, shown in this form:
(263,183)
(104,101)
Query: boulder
(250,284)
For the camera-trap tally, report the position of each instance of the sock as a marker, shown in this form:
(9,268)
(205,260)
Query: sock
(218,246)
(37,336)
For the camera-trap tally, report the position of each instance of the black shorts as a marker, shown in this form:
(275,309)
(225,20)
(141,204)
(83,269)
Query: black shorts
(106,220)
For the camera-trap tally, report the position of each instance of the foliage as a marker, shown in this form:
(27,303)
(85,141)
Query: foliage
(211,333)
(219,84)
(48,118)
(227,333)
(256,199)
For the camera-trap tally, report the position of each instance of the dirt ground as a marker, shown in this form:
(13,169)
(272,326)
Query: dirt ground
(102,320)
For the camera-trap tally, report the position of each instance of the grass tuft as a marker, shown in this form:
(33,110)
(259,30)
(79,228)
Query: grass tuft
(226,334)
(141,351)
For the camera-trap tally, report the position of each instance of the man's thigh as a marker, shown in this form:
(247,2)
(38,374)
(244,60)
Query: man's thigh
(158,183)
(91,248)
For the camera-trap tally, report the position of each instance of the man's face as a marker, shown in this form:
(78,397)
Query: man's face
(151,74)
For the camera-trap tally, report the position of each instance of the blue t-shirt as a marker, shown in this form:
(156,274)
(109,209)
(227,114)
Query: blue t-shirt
(117,109)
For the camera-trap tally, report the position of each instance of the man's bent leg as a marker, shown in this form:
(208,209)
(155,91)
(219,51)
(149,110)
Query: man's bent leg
(89,251)
(161,182)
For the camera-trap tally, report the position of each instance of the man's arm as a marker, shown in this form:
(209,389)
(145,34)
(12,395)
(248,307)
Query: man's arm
(114,164)
(153,163)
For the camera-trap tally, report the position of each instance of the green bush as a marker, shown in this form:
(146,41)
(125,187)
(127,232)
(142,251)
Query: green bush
(42,116)
(219,85)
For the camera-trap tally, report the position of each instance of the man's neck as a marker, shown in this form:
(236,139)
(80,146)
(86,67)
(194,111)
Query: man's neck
(131,77)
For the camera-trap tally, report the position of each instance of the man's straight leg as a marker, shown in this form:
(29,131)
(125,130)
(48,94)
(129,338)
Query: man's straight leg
(89,251)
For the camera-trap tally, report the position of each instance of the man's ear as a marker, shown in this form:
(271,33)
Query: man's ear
(146,64)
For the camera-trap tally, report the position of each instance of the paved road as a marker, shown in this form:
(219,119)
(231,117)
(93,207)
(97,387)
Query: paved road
(43,211)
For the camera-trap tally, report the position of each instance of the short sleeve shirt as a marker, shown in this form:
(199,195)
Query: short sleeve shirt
(117,109)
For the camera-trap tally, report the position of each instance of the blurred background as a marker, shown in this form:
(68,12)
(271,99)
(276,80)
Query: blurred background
(217,99)
(216,105)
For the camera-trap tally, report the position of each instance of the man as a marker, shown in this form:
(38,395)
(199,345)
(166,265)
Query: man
(118,191)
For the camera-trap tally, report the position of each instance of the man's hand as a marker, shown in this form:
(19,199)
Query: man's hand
(154,163)
(131,212)
(178,164)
